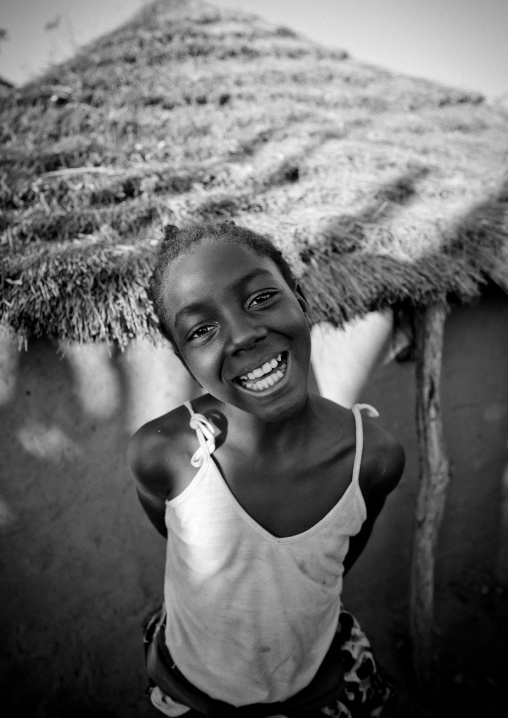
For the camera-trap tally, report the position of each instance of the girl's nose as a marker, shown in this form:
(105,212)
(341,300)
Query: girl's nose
(244,333)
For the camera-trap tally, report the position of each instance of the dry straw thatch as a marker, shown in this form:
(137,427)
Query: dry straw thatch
(383,189)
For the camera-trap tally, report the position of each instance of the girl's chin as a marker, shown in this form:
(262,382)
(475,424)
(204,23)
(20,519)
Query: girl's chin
(275,404)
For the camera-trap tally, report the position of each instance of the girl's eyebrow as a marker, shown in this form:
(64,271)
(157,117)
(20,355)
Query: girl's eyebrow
(250,275)
(193,308)
(196,307)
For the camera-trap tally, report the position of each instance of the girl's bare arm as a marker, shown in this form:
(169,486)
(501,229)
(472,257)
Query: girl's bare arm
(149,466)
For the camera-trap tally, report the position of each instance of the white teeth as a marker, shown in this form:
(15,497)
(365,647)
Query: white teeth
(257,373)
(268,381)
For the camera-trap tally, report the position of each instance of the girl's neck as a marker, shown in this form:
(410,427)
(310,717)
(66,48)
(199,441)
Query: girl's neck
(256,435)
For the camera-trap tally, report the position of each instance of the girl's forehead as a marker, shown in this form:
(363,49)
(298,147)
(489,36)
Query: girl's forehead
(217,262)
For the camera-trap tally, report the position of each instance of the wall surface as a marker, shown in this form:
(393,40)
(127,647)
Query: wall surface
(81,566)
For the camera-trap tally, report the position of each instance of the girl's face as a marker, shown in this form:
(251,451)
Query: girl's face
(239,328)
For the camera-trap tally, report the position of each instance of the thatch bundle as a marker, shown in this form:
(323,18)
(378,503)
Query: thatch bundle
(383,189)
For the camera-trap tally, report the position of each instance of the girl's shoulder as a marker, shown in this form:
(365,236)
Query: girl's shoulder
(383,456)
(161,448)
(383,459)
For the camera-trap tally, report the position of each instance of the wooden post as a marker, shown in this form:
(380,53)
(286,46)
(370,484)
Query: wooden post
(433,481)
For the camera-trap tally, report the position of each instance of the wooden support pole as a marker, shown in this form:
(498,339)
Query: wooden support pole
(434,477)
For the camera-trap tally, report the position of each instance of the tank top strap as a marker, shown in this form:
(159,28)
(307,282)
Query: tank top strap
(357,409)
(205,431)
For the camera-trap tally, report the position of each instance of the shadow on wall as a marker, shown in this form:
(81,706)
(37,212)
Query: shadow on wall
(81,565)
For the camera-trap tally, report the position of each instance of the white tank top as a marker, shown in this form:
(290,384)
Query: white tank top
(250,617)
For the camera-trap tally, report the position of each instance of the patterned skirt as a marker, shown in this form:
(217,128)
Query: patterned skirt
(365,691)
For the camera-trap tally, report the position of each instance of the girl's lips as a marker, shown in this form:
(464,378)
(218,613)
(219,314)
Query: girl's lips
(271,389)
(268,360)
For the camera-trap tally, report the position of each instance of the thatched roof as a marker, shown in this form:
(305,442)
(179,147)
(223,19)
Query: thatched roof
(5,84)
(382,188)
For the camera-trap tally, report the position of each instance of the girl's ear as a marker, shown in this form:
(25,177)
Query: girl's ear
(302,300)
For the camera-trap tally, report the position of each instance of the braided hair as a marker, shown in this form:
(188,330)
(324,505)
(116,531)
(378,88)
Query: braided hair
(180,241)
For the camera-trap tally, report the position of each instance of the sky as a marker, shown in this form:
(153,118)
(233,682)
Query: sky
(463,43)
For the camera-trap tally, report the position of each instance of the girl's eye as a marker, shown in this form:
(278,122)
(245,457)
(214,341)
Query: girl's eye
(261,298)
(200,332)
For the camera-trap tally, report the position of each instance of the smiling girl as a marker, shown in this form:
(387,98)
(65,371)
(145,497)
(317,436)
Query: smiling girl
(265,492)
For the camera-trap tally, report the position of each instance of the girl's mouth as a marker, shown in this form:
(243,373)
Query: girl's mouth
(266,375)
